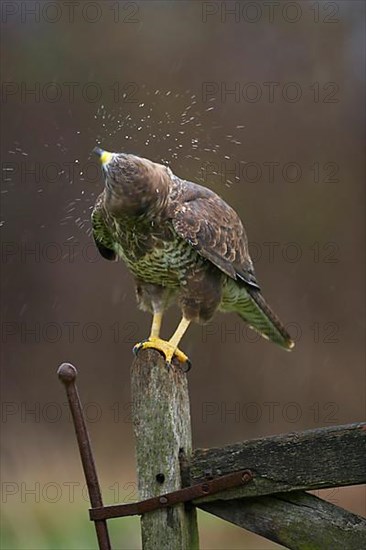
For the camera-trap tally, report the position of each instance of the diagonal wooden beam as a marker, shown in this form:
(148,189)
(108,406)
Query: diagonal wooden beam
(313,459)
(296,520)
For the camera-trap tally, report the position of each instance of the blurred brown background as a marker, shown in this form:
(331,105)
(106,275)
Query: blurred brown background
(262,103)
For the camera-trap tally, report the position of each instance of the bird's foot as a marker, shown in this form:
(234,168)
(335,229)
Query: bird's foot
(170,352)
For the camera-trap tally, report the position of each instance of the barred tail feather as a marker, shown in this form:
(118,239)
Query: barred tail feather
(255,311)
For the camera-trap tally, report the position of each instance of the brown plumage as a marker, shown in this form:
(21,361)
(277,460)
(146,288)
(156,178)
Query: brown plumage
(182,243)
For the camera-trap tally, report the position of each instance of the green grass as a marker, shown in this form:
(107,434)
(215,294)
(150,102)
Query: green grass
(44,526)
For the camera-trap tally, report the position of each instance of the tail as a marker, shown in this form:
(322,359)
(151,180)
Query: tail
(255,311)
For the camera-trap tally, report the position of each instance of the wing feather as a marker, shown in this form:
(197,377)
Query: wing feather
(215,230)
(101,233)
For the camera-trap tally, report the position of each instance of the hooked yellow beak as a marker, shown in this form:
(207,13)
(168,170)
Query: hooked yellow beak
(104,156)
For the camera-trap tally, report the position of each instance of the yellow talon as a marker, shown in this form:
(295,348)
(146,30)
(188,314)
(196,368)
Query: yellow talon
(165,347)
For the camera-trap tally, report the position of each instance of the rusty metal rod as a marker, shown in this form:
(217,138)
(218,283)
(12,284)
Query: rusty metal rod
(67,373)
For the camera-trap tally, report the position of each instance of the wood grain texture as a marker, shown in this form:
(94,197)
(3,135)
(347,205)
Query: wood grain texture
(297,520)
(313,459)
(162,427)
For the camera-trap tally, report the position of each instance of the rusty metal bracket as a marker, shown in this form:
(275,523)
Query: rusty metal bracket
(187,494)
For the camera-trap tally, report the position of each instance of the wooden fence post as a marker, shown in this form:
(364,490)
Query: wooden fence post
(162,427)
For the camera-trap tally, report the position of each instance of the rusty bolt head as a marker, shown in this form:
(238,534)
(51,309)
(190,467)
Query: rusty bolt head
(205,488)
(246,477)
(163,500)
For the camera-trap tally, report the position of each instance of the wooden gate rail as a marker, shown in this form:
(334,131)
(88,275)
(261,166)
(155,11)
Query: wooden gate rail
(296,520)
(313,459)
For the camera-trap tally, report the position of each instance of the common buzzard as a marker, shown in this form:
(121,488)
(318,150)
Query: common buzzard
(183,244)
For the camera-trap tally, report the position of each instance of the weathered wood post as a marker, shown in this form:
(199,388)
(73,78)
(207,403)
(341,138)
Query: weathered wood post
(162,427)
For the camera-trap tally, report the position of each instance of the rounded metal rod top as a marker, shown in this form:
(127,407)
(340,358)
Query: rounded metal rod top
(67,373)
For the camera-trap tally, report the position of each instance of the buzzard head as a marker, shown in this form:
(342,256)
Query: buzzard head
(134,186)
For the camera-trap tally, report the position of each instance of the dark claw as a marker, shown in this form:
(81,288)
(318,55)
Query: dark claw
(138,346)
(136,349)
(186,367)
